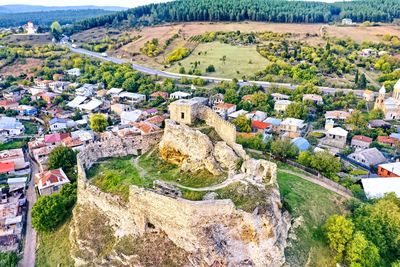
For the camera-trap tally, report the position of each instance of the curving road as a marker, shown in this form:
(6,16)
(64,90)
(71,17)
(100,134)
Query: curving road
(151,71)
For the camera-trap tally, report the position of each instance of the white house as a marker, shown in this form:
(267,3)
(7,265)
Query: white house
(179,95)
(59,86)
(114,91)
(58,124)
(236,114)
(131,116)
(224,108)
(74,72)
(132,97)
(347,21)
(378,187)
(281,105)
(86,90)
(51,181)
(76,101)
(91,106)
(11,126)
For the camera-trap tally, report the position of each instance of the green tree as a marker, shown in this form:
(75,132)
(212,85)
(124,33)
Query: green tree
(9,259)
(210,68)
(339,232)
(98,122)
(304,158)
(327,164)
(231,96)
(376,114)
(361,252)
(362,83)
(49,212)
(243,123)
(56,30)
(297,110)
(357,120)
(283,148)
(65,158)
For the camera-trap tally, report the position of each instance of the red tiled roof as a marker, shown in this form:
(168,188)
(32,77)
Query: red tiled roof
(162,94)
(50,177)
(72,142)
(145,127)
(7,102)
(260,125)
(362,138)
(156,119)
(386,139)
(7,166)
(55,137)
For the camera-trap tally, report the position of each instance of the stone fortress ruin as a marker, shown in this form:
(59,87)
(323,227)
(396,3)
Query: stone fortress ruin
(211,231)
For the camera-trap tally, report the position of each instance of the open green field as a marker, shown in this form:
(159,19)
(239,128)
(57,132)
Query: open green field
(18,143)
(240,60)
(54,248)
(310,205)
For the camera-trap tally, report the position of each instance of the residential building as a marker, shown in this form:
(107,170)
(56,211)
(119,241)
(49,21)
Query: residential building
(336,137)
(74,72)
(389,170)
(179,95)
(224,109)
(59,124)
(8,104)
(30,28)
(373,124)
(59,86)
(387,140)
(347,21)
(337,115)
(145,127)
(46,96)
(368,157)
(281,105)
(42,84)
(51,181)
(84,136)
(275,124)
(92,106)
(361,142)
(132,97)
(119,108)
(78,100)
(236,114)
(292,127)
(378,187)
(86,90)
(16,156)
(7,167)
(55,138)
(259,126)
(114,91)
(316,99)
(368,96)
(156,120)
(26,110)
(216,99)
(257,115)
(150,112)
(10,126)
(155,95)
(278,96)
(13,93)
(128,117)
(201,100)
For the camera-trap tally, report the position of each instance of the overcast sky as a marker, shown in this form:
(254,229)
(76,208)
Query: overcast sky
(122,3)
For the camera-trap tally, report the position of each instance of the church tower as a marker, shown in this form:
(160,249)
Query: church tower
(380,99)
(396,90)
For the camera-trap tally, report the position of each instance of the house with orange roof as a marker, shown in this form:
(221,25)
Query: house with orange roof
(14,155)
(51,181)
(8,104)
(387,140)
(259,126)
(163,95)
(145,127)
(156,120)
(224,108)
(7,167)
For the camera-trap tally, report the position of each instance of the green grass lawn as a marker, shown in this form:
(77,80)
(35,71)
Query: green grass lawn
(18,143)
(115,175)
(54,248)
(314,204)
(238,59)
(30,127)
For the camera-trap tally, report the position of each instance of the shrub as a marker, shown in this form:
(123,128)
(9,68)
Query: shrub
(178,54)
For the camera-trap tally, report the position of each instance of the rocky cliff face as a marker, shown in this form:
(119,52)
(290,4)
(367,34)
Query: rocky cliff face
(153,229)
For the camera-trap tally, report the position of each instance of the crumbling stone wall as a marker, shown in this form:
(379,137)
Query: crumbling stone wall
(213,231)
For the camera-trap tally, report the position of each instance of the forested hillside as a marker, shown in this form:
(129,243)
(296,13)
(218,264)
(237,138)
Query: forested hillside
(45,18)
(255,10)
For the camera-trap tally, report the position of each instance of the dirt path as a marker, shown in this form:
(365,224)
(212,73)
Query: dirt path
(29,255)
(318,182)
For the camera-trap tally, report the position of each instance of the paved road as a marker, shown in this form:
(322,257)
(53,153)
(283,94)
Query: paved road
(29,255)
(151,71)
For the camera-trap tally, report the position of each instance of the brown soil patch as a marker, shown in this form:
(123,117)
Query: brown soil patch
(21,66)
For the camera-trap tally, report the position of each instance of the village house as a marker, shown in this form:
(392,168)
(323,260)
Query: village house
(119,108)
(389,170)
(59,124)
(360,142)
(78,100)
(156,120)
(216,99)
(387,140)
(13,93)
(86,90)
(275,124)
(16,156)
(8,104)
(368,96)
(131,97)
(279,96)
(59,86)
(26,110)
(259,126)
(347,21)
(30,28)
(224,109)
(155,95)
(236,114)
(46,96)
(145,127)
(200,100)
(292,128)
(179,95)
(150,112)
(337,115)
(368,157)
(257,115)
(114,91)
(128,117)
(336,137)
(74,72)
(84,136)
(10,126)
(51,181)
(373,124)
(42,84)
(281,105)
(92,106)
(316,99)
(55,138)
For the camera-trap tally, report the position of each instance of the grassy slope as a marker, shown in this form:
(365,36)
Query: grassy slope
(13,144)
(54,248)
(237,59)
(314,204)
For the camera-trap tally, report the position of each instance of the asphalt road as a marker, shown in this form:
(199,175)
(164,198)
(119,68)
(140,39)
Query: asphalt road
(29,255)
(151,71)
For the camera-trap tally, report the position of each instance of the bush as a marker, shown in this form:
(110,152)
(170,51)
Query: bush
(178,54)
(210,68)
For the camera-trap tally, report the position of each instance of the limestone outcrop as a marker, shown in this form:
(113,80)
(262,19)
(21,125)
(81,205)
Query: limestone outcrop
(225,156)
(262,171)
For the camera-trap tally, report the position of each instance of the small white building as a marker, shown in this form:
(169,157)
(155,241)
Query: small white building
(179,95)
(59,86)
(59,124)
(131,116)
(132,97)
(279,96)
(76,101)
(224,109)
(347,21)
(378,187)
(86,90)
(51,181)
(236,114)
(74,72)
(336,137)
(10,126)
(281,105)
(91,106)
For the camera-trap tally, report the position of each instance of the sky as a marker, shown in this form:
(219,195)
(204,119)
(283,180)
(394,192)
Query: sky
(121,3)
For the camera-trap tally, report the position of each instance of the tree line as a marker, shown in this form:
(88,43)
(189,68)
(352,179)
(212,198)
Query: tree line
(239,10)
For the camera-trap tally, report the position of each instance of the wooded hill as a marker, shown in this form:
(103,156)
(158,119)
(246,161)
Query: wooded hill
(255,10)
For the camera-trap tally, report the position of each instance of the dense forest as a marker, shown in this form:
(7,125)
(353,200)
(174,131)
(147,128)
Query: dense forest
(45,18)
(254,10)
